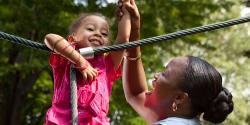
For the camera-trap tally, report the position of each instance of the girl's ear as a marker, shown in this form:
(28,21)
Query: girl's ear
(71,38)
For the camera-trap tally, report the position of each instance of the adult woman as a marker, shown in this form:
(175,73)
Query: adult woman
(187,88)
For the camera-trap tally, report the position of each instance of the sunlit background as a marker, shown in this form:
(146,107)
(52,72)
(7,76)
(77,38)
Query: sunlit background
(26,86)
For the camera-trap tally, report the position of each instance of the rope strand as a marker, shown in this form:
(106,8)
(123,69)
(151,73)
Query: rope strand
(173,35)
(137,43)
(22,41)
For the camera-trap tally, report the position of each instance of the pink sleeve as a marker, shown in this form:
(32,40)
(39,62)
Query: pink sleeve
(112,72)
(57,60)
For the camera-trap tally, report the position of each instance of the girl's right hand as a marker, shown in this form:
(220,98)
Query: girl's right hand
(88,73)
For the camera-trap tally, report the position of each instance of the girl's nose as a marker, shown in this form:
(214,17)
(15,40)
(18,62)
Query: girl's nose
(97,33)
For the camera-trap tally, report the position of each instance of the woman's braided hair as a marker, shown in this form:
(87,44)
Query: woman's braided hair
(203,83)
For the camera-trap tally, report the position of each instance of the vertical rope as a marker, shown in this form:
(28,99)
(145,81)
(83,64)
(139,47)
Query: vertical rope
(73,96)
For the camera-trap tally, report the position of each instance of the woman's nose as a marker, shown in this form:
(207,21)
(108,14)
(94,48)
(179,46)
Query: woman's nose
(156,75)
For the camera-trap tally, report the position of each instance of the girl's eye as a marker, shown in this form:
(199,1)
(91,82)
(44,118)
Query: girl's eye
(104,34)
(90,29)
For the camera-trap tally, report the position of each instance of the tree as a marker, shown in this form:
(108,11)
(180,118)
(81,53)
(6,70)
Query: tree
(25,79)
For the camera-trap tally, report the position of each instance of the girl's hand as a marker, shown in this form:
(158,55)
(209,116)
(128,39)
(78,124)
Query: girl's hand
(124,22)
(122,10)
(134,15)
(88,72)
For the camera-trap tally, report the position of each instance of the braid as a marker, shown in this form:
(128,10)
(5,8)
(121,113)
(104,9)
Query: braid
(221,106)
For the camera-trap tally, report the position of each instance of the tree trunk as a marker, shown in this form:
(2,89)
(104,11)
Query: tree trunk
(17,89)
(16,102)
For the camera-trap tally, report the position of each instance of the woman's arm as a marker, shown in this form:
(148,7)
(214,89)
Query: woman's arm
(135,85)
(134,79)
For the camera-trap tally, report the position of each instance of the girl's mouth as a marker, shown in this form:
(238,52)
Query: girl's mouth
(96,42)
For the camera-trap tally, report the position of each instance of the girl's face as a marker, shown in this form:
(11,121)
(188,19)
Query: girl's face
(165,85)
(93,32)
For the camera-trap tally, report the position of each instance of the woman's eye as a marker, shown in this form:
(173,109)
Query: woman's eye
(164,74)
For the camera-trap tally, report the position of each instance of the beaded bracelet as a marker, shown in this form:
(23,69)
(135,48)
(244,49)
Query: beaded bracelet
(132,58)
(83,67)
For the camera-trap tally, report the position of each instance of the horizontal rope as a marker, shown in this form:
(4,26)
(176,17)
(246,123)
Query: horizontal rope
(137,43)
(22,41)
(173,35)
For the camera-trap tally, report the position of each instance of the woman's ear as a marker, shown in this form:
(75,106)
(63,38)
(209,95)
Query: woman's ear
(181,98)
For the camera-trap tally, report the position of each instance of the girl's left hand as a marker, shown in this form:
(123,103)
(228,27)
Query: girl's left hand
(122,10)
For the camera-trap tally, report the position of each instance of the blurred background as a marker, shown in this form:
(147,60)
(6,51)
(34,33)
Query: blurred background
(26,85)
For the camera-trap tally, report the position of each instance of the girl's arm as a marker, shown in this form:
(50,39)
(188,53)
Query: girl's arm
(61,46)
(124,28)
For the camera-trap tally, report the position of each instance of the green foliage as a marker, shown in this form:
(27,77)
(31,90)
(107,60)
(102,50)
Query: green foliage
(38,100)
(25,78)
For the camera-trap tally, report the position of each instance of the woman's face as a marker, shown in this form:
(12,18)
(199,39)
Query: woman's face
(166,84)
(93,32)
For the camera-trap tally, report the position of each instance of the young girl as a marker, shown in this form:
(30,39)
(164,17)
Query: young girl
(94,77)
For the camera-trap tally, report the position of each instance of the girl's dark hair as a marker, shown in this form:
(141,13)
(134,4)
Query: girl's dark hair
(78,22)
(203,83)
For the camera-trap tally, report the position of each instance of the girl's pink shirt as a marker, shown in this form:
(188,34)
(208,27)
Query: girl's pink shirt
(92,96)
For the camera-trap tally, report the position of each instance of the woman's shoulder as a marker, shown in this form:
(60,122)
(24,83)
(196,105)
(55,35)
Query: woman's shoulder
(178,121)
